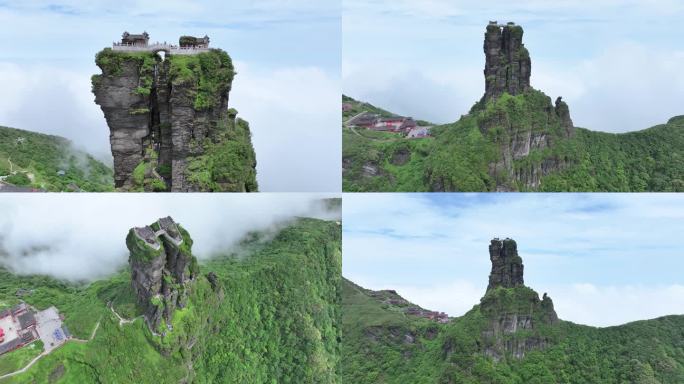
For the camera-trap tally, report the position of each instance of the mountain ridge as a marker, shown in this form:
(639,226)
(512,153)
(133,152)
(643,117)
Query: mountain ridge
(267,311)
(516,139)
(49,162)
(511,336)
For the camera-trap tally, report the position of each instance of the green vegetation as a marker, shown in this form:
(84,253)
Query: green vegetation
(648,160)
(358,107)
(379,161)
(18,359)
(272,317)
(142,251)
(382,344)
(19,178)
(211,73)
(476,154)
(146,175)
(37,158)
(228,161)
(112,64)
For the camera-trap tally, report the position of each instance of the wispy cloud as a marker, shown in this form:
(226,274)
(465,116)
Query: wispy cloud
(424,58)
(424,243)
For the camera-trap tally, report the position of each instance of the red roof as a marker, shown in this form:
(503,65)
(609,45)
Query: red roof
(2,332)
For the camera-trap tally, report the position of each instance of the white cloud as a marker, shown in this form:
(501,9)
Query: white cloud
(286,53)
(83,236)
(295,119)
(54,101)
(293,114)
(454,298)
(434,95)
(587,304)
(628,87)
(614,305)
(429,246)
(616,63)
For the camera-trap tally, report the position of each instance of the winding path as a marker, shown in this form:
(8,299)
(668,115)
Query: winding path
(44,353)
(122,321)
(25,368)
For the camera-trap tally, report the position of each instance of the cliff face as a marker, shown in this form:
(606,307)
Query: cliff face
(508,65)
(521,126)
(514,313)
(170,126)
(163,270)
(507,266)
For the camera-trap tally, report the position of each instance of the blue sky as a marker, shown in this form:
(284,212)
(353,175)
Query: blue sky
(287,55)
(616,62)
(605,259)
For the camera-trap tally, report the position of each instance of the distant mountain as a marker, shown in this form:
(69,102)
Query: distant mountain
(511,337)
(35,161)
(268,312)
(516,139)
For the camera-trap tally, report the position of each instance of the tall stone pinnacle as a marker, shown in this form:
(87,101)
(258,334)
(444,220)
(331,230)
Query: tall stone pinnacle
(162,269)
(508,65)
(507,266)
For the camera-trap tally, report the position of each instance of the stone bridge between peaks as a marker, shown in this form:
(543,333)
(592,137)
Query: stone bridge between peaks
(170,49)
(167,228)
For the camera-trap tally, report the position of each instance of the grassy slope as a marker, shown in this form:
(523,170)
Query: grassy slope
(378,149)
(275,321)
(44,155)
(358,107)
(375,349)
(458,158)
(18,359)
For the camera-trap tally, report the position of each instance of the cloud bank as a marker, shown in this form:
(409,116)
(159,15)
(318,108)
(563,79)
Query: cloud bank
(287,55)
(82,237)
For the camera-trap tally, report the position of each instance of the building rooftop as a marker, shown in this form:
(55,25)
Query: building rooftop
(148,236)
(26,319)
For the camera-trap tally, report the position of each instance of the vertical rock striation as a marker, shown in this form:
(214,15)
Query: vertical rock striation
(507,266)
(508,65)
(163,270)
(516,317)
(170,126)
(523,125)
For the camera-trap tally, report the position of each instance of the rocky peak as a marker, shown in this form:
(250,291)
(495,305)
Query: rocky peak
(508,65)
(516,316)
(563,112)
(163,270)
(507,266)
(170,126)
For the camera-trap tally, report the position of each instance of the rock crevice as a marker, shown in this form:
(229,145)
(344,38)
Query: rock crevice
(508,65)
(515,315)
(170,126)
(507,266)
(163,270)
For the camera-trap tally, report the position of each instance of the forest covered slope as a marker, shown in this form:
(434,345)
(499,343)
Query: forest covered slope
(511,336)
(45,162)
(513,139)
(264,313)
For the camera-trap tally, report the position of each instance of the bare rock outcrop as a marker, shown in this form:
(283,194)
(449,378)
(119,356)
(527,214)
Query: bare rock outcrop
(507,266)
(163,270)
(523,127)
(516,317)
(170,125)
(508,65)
